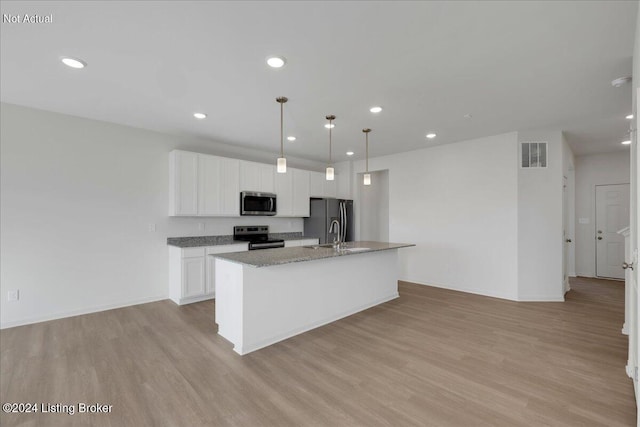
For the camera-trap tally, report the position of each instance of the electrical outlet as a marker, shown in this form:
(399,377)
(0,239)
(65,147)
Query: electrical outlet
(13,295)
(151,227)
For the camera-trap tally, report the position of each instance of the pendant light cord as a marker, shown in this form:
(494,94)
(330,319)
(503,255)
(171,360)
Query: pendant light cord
(331,118)
(366,134)
(281,130)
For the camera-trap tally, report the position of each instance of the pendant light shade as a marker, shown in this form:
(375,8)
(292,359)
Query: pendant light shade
(367,175)
(282,161)
(330,173)
(282,165)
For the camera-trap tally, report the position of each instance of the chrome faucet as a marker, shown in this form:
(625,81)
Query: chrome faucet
(334,227)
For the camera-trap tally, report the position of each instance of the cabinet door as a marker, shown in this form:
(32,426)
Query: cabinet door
(330,188)
(230,187)
(184,183)
(249,176)
(209,201)
(300,193)
(284,192)
(344,185)
(316,184)
(267,181)
(193,277)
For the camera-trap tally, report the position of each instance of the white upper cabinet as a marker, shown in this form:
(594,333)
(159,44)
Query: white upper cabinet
(320,187)
(330,188)
(292,189)
(218,186)
(257,177)
(284,192)
(316,184)
(183,183)
(301,181)
(205,185)
(344,186)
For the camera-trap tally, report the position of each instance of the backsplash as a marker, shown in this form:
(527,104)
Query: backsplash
(208,226)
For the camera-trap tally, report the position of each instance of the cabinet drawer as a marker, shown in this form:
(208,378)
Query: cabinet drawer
(193,252)
(222,249)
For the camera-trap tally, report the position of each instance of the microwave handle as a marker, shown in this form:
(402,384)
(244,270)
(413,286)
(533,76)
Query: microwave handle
(270,204)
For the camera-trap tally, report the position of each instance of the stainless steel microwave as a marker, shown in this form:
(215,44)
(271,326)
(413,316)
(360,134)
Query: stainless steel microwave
(257,204)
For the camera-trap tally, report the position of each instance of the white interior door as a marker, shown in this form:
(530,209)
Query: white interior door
(612,214)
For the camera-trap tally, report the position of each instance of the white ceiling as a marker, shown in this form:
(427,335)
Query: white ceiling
(512,65)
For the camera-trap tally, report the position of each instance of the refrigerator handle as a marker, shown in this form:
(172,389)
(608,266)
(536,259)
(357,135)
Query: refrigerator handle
(343,220)
(346,220)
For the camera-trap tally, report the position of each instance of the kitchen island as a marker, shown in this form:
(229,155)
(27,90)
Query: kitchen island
(266,296)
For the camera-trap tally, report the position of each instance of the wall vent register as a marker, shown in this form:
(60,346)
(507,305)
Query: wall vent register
(533,154)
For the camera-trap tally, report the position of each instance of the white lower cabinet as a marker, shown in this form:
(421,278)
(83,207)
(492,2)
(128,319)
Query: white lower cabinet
(193,277)
(192,272)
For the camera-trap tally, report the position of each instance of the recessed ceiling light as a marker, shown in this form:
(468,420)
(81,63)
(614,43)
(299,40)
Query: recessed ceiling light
(329,126)
(375,109)
(276,61)
(291,138)
(620,81)
(629,117)
(200,116)
(431,135)
(350,153)
(73,62)
(627,142)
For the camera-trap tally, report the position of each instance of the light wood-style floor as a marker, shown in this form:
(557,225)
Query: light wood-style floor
(430,357)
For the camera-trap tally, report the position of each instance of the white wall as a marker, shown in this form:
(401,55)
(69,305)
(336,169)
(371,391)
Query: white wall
(373,209)
(458,204)
(540,245)
(592,170)
(77,196)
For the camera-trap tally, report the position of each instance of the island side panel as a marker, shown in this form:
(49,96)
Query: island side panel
(285,300)
(229,294)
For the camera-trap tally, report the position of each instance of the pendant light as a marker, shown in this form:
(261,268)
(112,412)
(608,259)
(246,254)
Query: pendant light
(282,162)
(367,175)
(330,174)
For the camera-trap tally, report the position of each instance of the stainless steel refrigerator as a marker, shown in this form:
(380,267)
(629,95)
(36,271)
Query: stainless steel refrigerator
(322,213)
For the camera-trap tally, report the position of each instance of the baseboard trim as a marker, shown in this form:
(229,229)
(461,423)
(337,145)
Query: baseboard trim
(541,298)
(465,290)
(73,313)
(190,300)
(248,348)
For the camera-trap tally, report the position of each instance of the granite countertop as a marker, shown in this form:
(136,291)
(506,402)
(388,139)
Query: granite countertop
(196,241)
(270,257)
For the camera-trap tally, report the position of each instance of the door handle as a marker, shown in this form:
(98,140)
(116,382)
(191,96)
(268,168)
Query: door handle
(627,265)
(568,240)
(599,237)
